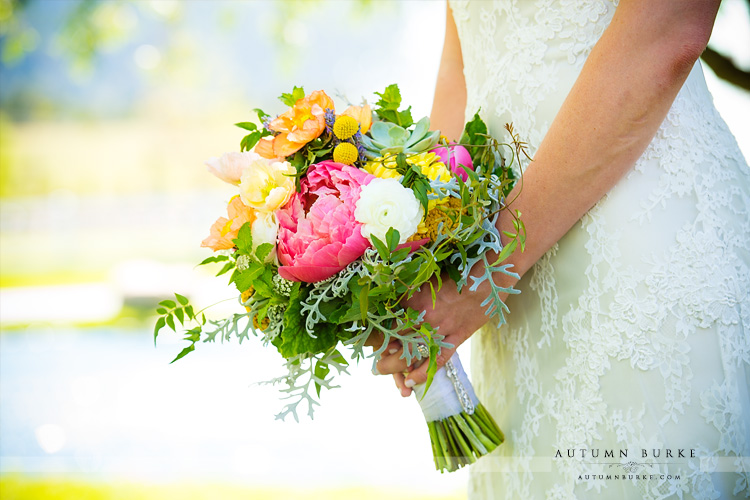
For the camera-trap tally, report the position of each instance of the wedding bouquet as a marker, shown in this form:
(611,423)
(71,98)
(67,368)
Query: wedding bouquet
(338,219)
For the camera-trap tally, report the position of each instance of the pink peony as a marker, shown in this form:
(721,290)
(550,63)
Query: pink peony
(318,234)
(454,156)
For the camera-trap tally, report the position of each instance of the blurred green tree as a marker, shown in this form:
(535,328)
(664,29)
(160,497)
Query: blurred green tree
(94,25)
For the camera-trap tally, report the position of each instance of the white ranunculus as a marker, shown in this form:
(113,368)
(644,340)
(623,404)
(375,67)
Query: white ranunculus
(230,166)
(385,203)
(264,230)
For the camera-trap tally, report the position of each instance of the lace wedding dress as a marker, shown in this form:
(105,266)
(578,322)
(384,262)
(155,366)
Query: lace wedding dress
(633,332)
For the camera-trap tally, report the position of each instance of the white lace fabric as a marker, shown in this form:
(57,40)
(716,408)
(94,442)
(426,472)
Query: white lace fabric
(633,332)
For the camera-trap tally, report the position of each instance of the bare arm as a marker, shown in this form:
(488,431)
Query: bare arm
(450,92)
(611,114)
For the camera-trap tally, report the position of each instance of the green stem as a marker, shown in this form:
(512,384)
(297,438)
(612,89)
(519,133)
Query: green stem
(488,443)
(436,451)
(471,436)
(490,427)
(465,451)
(444,446)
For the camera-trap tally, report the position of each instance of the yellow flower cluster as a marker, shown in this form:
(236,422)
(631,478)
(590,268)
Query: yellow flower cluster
(428,163)
(447,213)
(258,326)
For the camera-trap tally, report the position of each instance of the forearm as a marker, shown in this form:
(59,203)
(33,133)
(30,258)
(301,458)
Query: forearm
(611,114)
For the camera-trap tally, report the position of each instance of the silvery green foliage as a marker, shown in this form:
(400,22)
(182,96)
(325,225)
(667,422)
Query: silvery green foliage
(238,324)
(404,325)
(274,313)
(301,377)
(323,291)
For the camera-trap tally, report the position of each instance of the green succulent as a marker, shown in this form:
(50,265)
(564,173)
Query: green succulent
(387,138)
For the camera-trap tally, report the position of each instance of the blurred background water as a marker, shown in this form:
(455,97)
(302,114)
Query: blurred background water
(107,111)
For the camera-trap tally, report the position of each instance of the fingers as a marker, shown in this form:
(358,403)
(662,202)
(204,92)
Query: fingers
(399,379)
(390,361)
(375,340)
(419,375)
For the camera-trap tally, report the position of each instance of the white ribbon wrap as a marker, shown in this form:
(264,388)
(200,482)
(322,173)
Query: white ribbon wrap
(442,401)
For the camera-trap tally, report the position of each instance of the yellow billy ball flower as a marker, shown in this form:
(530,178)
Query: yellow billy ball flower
(448,213)
(344,127)
(345,153)
(261,325)
(246,296)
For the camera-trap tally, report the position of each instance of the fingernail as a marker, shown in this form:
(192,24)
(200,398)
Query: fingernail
(392,351)
(375,371)
(410,383)
(405,393)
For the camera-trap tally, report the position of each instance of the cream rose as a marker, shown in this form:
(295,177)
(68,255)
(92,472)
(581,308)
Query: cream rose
(267,185)
(264,230)
(230,166)
(384,204)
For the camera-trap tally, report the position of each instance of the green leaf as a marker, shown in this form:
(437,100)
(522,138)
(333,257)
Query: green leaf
(161,310)
(405,117)
(474,134)
(181,299)
(245,279)
(180,315)
(388,105)
(364,297)
(420,193)
(294,339)
(402,166)
(321,371)
(400,254)
(170,322)
(261,114)
(431,366)
(168,303)
(159,325)
(227,267)
(194,334)
(250,140)
(291,99)
(392,237)
(380,247)
(189,312)
(263,251)
(184,352)
(244,240)
(246,125)
(390,99)
(214,258)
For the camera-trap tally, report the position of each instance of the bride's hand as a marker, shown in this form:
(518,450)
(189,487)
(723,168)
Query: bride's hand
(456,315)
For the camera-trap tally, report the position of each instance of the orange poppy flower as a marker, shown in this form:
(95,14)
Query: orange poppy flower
(303,122)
